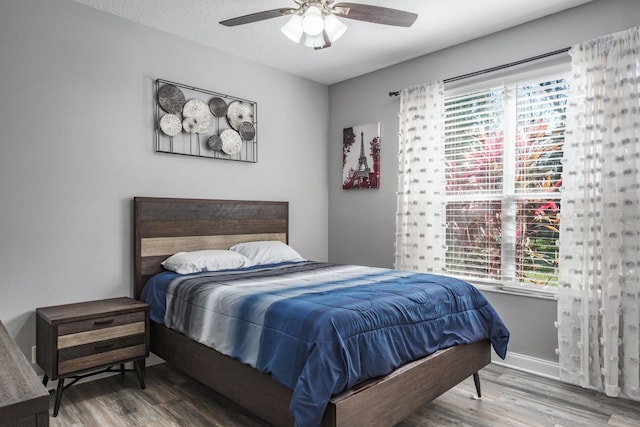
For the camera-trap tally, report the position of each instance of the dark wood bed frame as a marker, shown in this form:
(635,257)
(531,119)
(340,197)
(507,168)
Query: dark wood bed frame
(165,226)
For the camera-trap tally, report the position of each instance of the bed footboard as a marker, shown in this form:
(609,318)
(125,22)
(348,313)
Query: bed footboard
(382,401)
(388,400)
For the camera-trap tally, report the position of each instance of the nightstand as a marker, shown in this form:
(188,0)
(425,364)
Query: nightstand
(87,338)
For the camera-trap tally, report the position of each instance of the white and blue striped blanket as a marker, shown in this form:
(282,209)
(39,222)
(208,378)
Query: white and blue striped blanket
(320,328)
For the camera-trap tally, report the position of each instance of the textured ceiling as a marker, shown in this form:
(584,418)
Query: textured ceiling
(365,47)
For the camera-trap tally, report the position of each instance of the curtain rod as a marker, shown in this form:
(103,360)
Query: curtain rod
(497,68)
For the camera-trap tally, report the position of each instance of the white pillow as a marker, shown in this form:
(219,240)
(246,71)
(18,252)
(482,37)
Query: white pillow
(267,252)
(207,260)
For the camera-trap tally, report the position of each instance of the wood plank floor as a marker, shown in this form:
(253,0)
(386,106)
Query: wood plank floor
(509,398)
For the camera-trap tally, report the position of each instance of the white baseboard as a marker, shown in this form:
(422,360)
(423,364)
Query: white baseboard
(532,365)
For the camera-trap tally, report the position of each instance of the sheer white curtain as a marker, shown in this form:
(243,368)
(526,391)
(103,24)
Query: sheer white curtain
(599,265)
(420,222)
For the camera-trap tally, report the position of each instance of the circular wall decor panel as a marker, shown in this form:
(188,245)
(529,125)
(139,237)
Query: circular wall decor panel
(199,111)
(231,142)
(171,99)
(238,113)
(190,124)
(247,131)
(170,124)
(204,123)
(194,108)
(215,143)
(218,107)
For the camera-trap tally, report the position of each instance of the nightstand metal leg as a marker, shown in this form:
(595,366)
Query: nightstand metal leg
(59,391)
(138,369)
(122,369)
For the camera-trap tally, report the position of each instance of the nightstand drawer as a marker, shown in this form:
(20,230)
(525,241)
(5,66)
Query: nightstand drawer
(100,323)
(103,334)
(76,352)
(101,359)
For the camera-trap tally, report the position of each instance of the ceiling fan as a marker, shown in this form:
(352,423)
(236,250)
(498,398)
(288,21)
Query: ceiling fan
(316,22)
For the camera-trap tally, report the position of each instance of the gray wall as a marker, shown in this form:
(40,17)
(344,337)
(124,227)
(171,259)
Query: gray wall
(362,222)
(76,138)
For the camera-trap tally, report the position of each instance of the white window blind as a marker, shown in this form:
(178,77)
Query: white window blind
(503,152)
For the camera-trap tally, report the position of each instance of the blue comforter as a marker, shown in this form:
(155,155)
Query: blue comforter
(320,328)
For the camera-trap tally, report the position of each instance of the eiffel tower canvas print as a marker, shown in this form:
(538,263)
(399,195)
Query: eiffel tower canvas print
(361,156)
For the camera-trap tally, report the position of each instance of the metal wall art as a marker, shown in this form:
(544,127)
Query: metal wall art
(361,156)
(197,122)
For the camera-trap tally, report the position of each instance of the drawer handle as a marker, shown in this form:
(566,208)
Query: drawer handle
(103,322)
(103,346)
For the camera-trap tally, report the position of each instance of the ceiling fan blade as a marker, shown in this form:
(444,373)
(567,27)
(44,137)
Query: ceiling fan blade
(258,16)
(377,14)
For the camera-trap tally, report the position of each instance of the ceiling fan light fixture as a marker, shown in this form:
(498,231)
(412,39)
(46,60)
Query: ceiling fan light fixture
(316,41)
(334,27)
(293,28)
(312,22)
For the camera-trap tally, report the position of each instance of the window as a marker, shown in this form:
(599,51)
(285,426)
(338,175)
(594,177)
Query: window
(503,154)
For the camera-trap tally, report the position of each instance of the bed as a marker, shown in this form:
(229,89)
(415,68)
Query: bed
(163,227)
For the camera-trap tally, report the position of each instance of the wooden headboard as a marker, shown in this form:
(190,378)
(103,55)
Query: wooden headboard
(164,226)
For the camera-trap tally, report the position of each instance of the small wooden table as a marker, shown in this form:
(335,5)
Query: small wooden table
(87,338)
(23,400)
